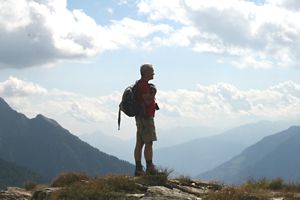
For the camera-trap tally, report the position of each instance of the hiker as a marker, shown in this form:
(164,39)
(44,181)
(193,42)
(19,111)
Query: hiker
(145,121)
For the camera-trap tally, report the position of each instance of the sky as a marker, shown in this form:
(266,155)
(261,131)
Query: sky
(218,63)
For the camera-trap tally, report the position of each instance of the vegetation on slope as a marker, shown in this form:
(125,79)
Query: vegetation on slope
(80,186)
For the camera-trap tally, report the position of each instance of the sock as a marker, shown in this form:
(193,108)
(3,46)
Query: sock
(138,163)
(149,163)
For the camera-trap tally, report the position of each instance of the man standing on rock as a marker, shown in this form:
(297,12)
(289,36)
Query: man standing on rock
(145,121)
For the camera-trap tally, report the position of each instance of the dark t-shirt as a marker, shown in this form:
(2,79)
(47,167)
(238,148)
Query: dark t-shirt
(142,89)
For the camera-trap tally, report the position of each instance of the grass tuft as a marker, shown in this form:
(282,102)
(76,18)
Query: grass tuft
(30,185)
(159,179)
(261,189)
(107,187)
(66,179)
(186,180)
(234,193)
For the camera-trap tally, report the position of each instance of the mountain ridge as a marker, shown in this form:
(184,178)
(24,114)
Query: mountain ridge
(43,146)
(209,152)
(272,157)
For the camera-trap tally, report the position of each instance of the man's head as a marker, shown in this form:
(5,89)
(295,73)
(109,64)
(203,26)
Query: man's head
(147,71)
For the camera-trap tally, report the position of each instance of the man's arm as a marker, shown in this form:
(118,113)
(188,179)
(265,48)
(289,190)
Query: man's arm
(150,95)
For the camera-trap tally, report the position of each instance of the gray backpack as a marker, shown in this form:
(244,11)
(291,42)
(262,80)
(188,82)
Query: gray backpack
(129,104)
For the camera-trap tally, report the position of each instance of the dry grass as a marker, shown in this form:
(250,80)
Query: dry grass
(108,187)
(186,180)
(78,186)
(30,185)
(159,179)
(66,179)
(234,193)
(261,189)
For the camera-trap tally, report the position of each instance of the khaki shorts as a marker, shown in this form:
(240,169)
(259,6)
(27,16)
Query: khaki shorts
(145,129)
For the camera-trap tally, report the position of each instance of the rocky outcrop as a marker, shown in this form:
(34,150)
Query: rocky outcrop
(14,193)
(161,193)
(173,189)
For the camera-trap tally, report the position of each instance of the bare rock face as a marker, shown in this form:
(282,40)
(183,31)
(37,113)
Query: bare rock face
(163,193)
(43,194)
(174,189)
(14,193)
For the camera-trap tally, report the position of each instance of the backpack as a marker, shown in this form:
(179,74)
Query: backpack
(128,104)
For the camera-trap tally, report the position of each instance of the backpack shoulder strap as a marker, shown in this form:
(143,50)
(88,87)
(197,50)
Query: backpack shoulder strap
(119,118)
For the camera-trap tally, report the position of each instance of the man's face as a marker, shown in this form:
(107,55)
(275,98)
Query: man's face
(150,74)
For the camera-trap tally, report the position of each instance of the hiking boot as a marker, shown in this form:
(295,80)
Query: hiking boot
(139,171)
(151,170)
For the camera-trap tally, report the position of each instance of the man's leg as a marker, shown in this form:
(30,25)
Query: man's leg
(138,150)
(138,157)
(148,153)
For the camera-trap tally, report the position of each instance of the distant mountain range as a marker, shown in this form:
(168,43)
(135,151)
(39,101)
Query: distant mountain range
(44,147)
(121,148)
(196,156)
(13,175)
(203,154)
(275,156)
(166,138)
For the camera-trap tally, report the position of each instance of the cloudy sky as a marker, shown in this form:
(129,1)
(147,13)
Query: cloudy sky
(218,63)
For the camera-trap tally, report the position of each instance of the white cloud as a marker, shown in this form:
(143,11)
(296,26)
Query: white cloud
(220,105)
(129,33)
(123,2)
(172,38)
(224,104)
(42,32)
(66,107)
(270,32)
(250,61)
(110,11)
(288,4)
(14,16)
(19,88)
(157,10)
(84,111)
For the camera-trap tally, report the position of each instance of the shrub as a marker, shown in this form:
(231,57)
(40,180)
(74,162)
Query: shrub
(30,185)
(234,193)
(159,179)
(119,183)
(108,187)
(254,185)
(66,179)
(276,184)
(292,187)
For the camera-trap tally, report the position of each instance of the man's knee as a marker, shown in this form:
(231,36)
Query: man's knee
(139,145)
(148,144)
